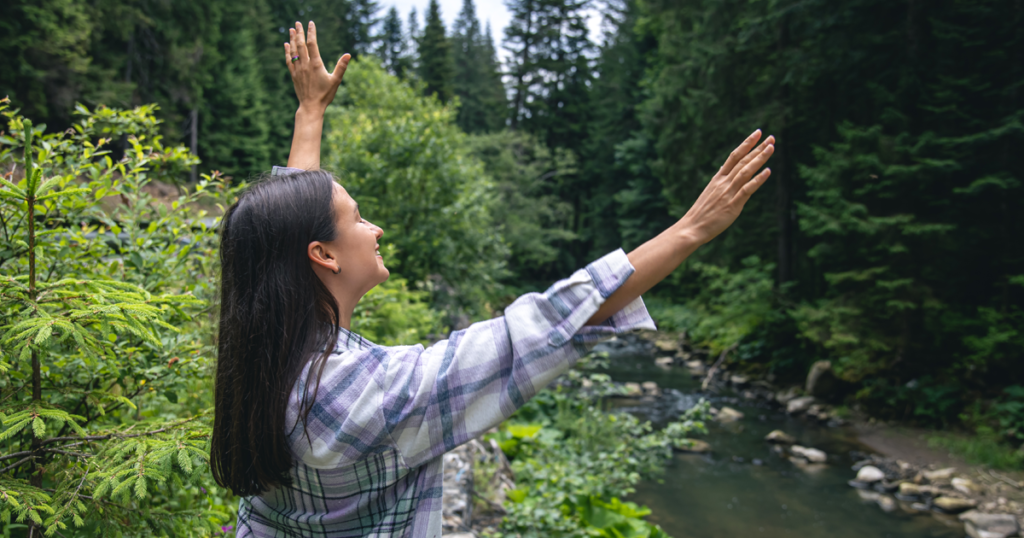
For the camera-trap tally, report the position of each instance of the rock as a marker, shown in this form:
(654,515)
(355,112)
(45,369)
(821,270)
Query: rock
(886,487)
(978,525)
(668,346)
(954,505)
(909,490)
(799,405)
(633,389)
(749,395)
(858,484)
(696,367)
(940,475)
(812,455)
(779,436)
(886,503)
(821,380)
(739,380)
(870,474)
(728,414)
(664,362)
(868,496)
(695,446)
(964,485)
(650,388)
(784,396)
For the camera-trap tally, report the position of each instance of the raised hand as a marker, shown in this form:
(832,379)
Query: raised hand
(314,86)
(724,197)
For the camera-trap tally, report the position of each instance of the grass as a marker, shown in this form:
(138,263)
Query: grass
(980,449)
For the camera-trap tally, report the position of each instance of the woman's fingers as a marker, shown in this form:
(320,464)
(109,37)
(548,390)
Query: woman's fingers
(339,69)
(751,155)
(740,152)
(745,172)
(299,43)
(288,58)
(751,186)
(311,47)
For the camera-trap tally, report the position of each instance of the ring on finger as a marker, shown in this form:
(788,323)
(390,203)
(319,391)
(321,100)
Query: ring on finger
(295,59)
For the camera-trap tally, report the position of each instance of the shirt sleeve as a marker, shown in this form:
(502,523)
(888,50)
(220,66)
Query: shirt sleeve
(438,398)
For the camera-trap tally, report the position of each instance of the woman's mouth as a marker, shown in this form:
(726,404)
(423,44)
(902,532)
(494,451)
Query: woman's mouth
(376,251)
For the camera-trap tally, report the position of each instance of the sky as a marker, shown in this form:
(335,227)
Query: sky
(486,10)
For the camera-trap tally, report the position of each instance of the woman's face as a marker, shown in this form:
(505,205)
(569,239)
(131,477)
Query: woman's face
(360,264)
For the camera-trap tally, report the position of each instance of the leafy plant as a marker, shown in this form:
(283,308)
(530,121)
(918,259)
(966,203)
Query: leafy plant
(104,323)
(573,461)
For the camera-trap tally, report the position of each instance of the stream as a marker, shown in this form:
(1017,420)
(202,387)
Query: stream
(744,489)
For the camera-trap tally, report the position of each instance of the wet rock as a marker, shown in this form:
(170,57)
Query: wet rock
(668,346)
(696,446)
(728,414)
(664,362)
(868,496)
(870,474)
(779,436)
(821,380)
(940,475)
(954,505)
(978,525)
(633,390)
(799,405)
(749,395)
(886,503)
(920,507)
(650,388)
(739,380)
(696,367)
(964,485)
(812,455)
(910,491)
(784,396)
(858,484)
(886,486)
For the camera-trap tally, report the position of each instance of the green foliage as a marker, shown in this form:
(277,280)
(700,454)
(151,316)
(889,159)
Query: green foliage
(573,461)
(434,48)
(391,314)
(104,320)
(401,156)
(981,448)
(476,78)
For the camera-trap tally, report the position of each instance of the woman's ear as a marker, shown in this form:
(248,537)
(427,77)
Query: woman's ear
(321,257)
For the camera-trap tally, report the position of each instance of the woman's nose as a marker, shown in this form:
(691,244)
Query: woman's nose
(379,232)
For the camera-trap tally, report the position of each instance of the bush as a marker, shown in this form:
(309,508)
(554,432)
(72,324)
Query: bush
(105,313)
(573,461)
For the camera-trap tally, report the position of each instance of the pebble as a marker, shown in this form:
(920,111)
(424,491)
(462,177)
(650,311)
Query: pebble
(799,405)
(664,362)
(978,525)
(633,389)
(940,475)
(964,485)
(954,505)
(870,474)
(779,436)
(728,414)
(812,455)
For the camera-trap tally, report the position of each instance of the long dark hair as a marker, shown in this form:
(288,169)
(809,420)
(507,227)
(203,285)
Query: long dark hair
(275,316)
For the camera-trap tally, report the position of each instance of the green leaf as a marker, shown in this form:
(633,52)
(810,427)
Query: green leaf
(38,428)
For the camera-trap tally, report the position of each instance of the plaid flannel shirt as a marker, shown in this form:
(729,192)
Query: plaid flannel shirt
(383,416)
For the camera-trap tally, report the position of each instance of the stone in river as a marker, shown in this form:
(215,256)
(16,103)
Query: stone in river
(781,437)
(954,505)
(964,485)
(821,381)
(868,496)
(978,525)
(633,389)
(739,380)
(784,396)
(667,346)
(886,503)
(728,414)
(693,445)
(870,474)
(799,405)
(650,388)
(812,455)
(940,475)
(909,491)
(664,362)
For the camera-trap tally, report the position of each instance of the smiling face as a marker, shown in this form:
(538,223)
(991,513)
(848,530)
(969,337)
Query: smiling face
(355,250)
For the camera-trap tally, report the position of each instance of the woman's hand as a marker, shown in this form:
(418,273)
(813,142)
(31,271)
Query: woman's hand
(314,86)
(724,197)
(715,209)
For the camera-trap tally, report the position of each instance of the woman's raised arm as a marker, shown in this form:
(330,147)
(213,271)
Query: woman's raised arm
(713,212)
(315,88)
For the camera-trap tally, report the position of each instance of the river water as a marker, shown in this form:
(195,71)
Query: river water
(742,488)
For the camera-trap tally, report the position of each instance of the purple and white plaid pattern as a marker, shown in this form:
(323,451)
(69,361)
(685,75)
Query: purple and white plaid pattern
(383,417)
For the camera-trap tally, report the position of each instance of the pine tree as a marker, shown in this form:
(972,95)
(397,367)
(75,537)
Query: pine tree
(393,51)
(412,40)
(476,82)
(434,52)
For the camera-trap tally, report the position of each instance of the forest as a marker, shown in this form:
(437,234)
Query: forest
(887,241)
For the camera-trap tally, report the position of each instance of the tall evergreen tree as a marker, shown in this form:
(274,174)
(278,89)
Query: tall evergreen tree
(412,40)
(434,52)
(393,51)
(480,92)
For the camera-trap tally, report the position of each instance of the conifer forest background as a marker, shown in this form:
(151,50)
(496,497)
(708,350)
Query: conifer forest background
(889,239)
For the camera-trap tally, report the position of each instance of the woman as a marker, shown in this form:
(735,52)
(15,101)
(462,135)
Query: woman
(326,434)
